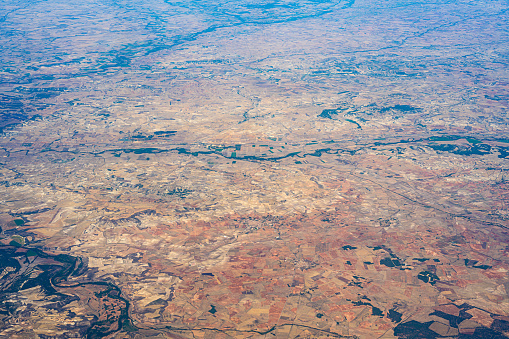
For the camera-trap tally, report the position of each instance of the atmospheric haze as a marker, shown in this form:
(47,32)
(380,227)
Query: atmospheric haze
(254,169)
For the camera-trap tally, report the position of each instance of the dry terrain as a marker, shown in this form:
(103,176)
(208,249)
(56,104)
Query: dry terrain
(219,169)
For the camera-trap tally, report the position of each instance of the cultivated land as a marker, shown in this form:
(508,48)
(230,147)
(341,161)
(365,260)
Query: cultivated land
(254,169)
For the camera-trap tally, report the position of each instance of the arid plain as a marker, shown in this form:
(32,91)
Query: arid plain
(218,169)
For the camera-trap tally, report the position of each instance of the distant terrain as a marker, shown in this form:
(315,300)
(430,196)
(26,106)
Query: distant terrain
(267,169)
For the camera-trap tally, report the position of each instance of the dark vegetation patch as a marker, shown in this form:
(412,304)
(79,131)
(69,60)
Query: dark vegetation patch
(165,133)
(421,259)
(485,333)
(400,108)
(472,263)
(391,262)
(354,122)
(504,152)
(428,277)
(497,97)
(19,222)
(330,113)
(394,315)
(141,136)
(414,329)
(157,134)
(374,310)
(158,302)
(142,150)
(15,243)
(117,61)
(473,149)
(454,321)
(24,104)
(12,111)
(417,330)
(500,325)
(444,138)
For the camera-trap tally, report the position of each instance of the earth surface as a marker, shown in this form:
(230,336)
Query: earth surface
(254,169)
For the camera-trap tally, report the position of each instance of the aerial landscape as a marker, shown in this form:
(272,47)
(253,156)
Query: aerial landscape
(254,169)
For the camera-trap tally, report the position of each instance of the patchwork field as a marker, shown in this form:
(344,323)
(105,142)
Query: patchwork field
(219,169)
